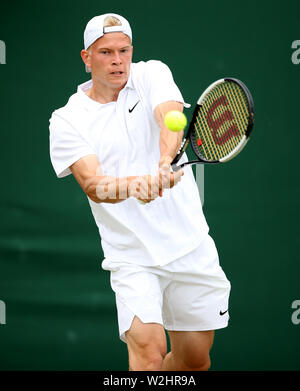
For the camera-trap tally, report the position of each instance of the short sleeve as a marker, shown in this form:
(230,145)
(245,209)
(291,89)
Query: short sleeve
(66,145)
(161,86)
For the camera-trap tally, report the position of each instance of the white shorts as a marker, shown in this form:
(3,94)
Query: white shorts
(188,294)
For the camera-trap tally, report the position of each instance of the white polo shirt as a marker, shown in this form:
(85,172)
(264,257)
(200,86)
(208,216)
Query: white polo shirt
(125,137)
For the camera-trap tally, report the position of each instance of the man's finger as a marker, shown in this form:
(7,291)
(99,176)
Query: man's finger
(176,177)
(178,174)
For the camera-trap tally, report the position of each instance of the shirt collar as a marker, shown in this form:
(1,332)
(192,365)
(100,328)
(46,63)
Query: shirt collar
(91,104)
(129,83)
(87,102)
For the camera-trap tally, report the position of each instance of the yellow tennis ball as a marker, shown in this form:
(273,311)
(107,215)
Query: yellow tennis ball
(175,120)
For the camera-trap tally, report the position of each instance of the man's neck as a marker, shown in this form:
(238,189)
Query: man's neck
(103,94)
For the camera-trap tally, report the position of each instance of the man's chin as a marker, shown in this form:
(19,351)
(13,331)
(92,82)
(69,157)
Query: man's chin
(118,79)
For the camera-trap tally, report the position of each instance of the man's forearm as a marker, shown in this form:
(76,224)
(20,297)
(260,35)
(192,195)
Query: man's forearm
(169,141)
(169,145)
(109,189)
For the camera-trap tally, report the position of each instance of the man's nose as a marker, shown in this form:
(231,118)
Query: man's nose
(117,59)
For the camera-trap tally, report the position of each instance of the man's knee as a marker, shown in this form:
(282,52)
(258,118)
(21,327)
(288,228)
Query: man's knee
(147,347)
(191,350)
(200,362)
(203,364)
(147,356)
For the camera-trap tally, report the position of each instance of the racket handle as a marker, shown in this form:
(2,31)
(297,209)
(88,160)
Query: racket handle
(176,168)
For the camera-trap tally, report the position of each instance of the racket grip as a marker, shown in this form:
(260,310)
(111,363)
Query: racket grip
(175,167)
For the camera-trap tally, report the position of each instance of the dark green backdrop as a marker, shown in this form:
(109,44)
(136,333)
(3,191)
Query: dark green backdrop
(60,310)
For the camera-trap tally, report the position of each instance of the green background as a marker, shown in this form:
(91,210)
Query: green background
(59,305)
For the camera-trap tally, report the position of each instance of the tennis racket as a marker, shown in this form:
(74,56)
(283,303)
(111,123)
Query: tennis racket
(221,123)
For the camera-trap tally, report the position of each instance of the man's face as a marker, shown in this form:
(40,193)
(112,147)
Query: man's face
(109,59)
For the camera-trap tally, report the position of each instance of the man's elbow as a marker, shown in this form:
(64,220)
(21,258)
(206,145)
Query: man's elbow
(93,198)
(93,187)
(101,189)
(91,193)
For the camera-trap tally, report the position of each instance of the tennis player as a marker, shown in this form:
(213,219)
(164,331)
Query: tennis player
(164,266)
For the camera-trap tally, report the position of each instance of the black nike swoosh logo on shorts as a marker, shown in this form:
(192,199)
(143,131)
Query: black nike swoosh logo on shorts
(223,313)
(131,110)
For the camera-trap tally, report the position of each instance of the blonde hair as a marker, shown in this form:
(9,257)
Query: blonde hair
(110,21)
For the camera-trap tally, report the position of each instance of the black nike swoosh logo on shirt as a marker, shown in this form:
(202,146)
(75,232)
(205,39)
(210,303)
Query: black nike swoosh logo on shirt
(223,313)
(131,110)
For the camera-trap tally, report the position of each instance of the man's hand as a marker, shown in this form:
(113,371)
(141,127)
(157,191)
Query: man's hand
(145,188)
(168,179)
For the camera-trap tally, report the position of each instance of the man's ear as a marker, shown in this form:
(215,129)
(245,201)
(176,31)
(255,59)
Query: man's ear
(85,55)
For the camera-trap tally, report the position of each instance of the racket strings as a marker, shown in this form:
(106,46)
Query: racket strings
(239,106)
(233,129)
(221,116)
(221,121)
(224,129)
(206,149)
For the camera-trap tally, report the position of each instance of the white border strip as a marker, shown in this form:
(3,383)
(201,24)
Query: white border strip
(235,151)
(208,89)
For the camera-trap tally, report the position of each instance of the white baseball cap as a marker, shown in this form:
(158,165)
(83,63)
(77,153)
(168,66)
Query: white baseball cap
(94,29)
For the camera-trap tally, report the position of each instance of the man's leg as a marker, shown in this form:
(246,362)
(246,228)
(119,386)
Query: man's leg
(189,351)
(147,346)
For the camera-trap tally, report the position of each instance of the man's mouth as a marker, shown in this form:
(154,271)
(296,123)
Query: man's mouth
(117,73)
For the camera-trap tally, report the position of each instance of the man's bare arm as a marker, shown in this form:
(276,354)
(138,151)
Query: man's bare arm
(169,145)
(103,188)
(169,141)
